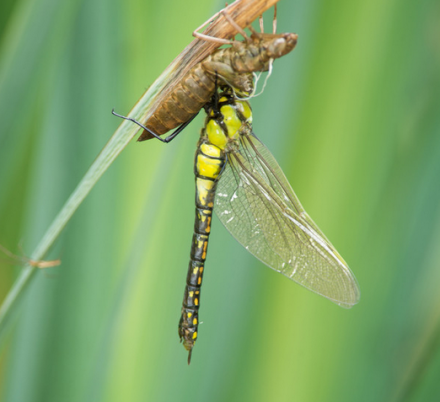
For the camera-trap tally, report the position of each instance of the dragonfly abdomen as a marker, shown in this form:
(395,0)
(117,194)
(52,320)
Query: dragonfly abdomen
(221,131)
(183,103)
(209,162)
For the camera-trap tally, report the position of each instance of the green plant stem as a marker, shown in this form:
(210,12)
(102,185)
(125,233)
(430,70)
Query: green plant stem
(117,143)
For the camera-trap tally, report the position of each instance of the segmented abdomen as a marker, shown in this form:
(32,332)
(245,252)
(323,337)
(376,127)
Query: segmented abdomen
(209,161)
(184,102)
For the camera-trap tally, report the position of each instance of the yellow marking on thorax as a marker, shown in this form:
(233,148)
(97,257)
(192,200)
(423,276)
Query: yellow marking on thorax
(245,110)
(211,150)
(208,167)
(216,136)
(232,121)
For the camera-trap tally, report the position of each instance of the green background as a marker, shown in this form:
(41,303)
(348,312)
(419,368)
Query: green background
(353,117)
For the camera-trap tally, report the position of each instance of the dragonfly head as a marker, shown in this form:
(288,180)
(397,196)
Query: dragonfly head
(281,44)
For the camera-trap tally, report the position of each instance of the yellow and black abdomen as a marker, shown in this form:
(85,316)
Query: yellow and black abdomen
(209,162)
(226,116)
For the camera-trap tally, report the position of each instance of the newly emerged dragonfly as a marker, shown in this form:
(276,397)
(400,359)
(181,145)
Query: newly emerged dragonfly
(238,178)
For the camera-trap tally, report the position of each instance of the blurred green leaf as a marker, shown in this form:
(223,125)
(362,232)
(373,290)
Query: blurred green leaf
(351,115)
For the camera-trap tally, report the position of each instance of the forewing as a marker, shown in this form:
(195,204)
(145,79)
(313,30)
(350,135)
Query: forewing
(257,205)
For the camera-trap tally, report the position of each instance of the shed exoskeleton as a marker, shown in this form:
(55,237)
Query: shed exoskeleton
(233,67)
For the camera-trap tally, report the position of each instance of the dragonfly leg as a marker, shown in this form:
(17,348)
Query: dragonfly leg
(179,129)
(211,38)
(165,140)
(220,40)
(251,28)
(274,23)
(236,26)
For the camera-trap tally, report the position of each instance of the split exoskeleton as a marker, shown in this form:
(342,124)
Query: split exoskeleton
(232,67)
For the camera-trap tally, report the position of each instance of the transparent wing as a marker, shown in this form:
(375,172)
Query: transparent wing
(257,205)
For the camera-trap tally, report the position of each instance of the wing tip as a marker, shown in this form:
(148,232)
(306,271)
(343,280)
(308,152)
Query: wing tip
(352,300)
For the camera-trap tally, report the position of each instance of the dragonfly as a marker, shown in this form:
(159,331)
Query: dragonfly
(238,178)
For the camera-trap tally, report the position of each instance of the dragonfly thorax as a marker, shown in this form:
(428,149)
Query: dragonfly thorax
(226,117)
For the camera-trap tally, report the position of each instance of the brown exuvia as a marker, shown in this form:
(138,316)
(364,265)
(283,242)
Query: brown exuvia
(233,66)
